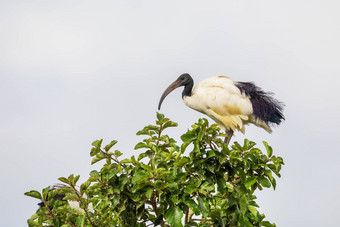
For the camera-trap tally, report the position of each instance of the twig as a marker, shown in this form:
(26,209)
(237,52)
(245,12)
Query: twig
(159,134)
(112,158)
(197,219)
(83,206)
(153,203)
(188,215)
(157,142)
(48,208)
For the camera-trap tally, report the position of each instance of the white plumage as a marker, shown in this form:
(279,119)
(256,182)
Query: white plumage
(220,99)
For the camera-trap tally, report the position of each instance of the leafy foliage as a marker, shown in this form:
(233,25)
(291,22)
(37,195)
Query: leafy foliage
(211,186)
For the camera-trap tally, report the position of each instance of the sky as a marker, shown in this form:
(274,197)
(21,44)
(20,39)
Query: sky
(72,72)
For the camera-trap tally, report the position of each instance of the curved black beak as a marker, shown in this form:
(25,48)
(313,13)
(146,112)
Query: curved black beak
(172,87)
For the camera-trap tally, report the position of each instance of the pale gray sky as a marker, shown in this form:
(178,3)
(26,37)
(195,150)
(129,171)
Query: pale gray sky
(72,72)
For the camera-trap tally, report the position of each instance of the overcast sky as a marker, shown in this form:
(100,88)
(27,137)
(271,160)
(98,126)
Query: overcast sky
(72,72)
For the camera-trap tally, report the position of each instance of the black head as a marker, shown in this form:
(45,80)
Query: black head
(183,80)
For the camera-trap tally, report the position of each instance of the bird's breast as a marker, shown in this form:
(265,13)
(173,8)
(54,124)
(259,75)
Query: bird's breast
(195,103)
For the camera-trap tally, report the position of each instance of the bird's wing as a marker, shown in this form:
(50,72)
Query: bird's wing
(223,102)
(222,96)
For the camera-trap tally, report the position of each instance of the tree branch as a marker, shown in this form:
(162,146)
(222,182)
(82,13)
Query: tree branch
(82,205)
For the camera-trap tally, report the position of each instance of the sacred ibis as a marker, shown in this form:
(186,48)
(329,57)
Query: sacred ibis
(232,105)
(73,204)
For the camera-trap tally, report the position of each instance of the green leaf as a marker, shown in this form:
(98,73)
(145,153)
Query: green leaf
(181,161)
(140,145)
(115,200)
(243,205)
(230,186)
(175,199)
(169,124)
(75,180)
(210,154)
(253,210)
(267,224)
(56,222)
(204,206)
(71,196)
(80,221)
(208,186)
(246,144)
(173,187)
(127,160)
(133,159)
(268,148)
(188,137)
(45,192)
(189,189)
(249,182)
(96,159)
(95,174)
(64,180)
(84,186)
(221,183)
(196,146)
(64,190)
(111,144)
(148,168)
(200,135)
(141,156)
(118,153)
(236,156)
(148,193)
(139,176)
(273,181)
(34,194)
(97,143)
(174,216)
(94,151)
(264,182)
(160,116)
(192,204)
(144,131)
(184,146)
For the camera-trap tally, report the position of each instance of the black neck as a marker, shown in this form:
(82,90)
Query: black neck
(188,88)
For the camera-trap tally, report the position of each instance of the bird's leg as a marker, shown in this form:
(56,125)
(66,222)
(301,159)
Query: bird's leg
(229,134)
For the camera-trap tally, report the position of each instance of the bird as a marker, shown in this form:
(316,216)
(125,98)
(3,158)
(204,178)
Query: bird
(59,196)
(231,104)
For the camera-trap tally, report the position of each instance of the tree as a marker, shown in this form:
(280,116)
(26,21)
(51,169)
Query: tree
(213,185)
